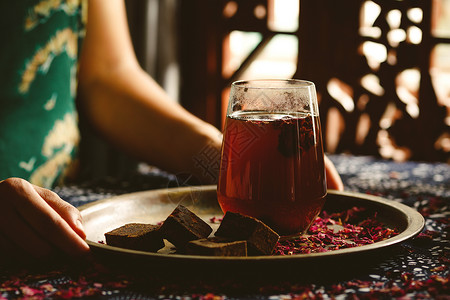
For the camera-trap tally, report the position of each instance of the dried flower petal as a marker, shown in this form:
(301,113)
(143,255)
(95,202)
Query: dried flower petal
(351,228)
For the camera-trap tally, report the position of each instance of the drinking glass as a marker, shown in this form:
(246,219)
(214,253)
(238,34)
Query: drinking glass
(272,161)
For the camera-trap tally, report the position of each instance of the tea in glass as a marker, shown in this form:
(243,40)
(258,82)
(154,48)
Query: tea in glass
(272,164)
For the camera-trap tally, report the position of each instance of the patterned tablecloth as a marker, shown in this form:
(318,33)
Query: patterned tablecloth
(418,270)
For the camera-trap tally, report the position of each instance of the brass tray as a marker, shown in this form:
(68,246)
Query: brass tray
(155,205)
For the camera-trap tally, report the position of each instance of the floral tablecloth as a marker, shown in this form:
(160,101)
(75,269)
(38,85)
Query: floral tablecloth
(418,270)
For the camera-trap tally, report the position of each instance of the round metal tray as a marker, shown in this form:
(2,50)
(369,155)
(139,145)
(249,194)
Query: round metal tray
(155,205)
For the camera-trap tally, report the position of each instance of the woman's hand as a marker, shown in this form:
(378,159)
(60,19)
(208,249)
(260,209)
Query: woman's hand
(36,222)
(334,181)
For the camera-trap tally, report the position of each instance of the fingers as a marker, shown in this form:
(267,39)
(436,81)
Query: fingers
(49,224)
(33,225)
(334,180)
(69,213)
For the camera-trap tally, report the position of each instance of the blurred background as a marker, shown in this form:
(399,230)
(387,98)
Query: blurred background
(381,67)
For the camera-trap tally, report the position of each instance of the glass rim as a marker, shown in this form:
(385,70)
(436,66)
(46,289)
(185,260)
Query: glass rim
(291,83)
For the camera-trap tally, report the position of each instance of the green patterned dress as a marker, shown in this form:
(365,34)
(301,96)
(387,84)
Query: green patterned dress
(40,44)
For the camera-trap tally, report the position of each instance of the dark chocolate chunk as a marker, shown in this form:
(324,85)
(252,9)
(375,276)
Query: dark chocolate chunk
(216,246)
(261,239)
(183,226)
(136,236)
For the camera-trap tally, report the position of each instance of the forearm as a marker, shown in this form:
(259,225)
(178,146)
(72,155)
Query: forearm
(134,113)
(126,105)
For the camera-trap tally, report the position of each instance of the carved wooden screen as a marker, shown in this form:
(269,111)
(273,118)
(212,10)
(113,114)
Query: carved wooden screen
(385,105)
(374,64)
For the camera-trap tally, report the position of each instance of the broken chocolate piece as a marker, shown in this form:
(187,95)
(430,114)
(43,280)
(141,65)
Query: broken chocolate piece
(261,239)
(216,246)
(136,236)
(183,226)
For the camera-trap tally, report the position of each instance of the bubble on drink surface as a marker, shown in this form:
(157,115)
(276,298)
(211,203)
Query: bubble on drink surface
(264,116)
(275,96)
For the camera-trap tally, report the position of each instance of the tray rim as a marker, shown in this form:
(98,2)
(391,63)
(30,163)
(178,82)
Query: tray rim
(415,224)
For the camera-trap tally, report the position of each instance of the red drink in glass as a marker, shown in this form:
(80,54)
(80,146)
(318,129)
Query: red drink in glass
(272,168)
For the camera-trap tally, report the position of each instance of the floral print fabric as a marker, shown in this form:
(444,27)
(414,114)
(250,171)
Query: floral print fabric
(38,66)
